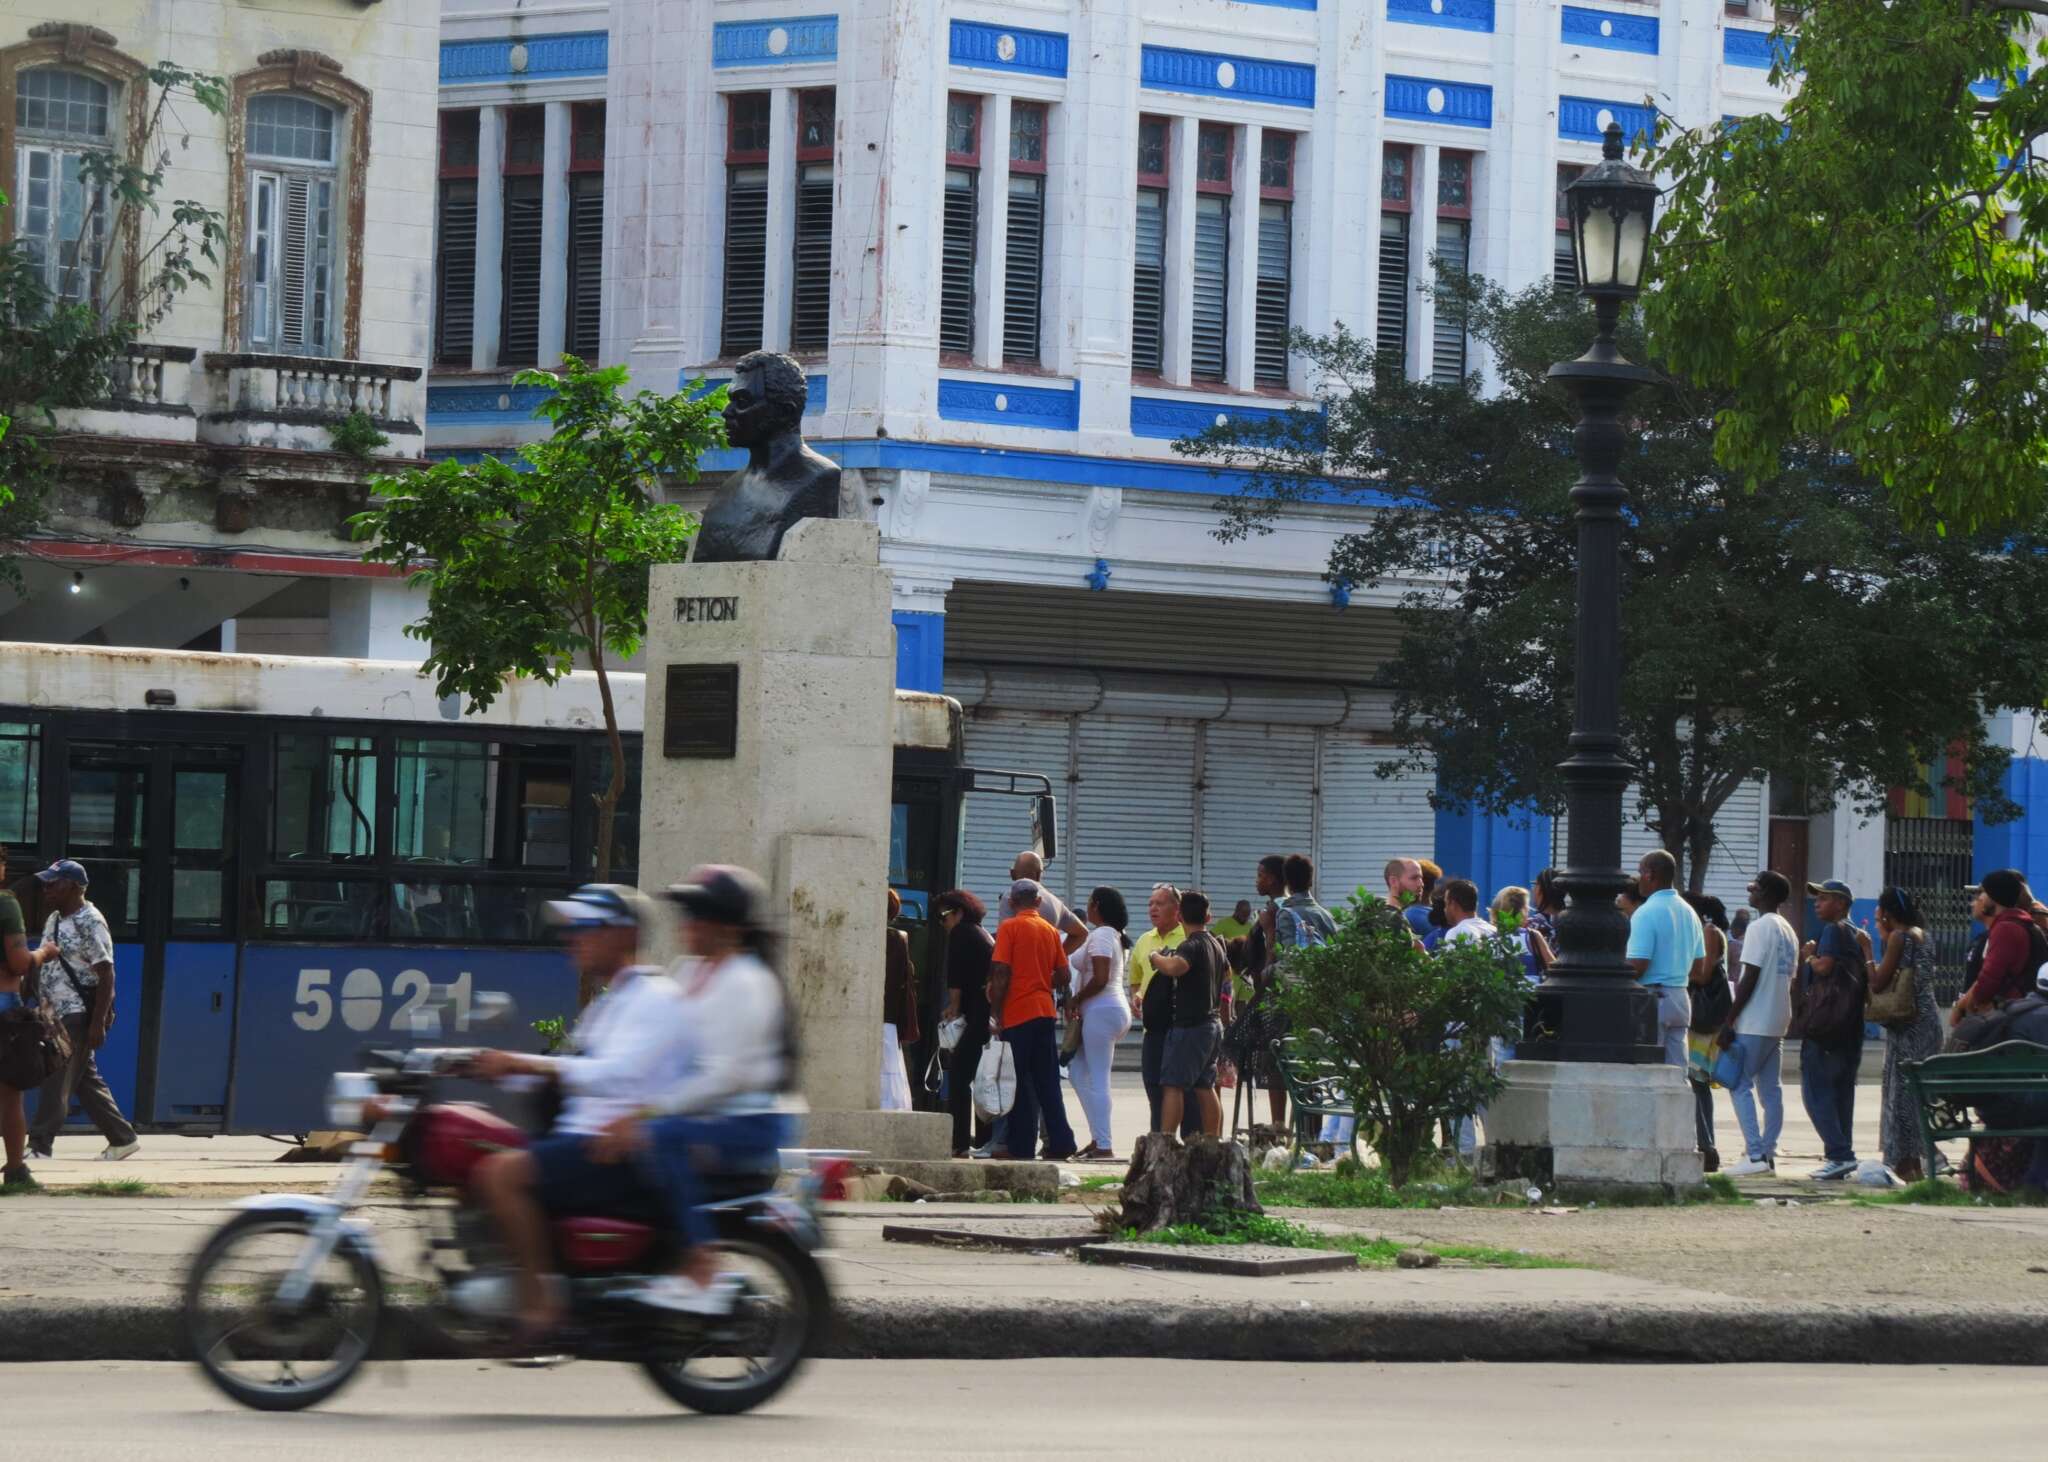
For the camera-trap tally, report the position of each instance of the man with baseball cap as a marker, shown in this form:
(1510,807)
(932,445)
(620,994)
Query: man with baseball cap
(76,977)
(1828,1060)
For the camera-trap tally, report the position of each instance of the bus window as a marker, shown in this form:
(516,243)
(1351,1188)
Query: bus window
(20,762)
(428,908)
(202,802)
(626,825)
(324,809)
(108,802)
(483,804)
(326,909)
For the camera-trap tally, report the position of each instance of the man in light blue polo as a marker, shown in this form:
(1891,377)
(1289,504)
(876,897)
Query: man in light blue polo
(1665,947)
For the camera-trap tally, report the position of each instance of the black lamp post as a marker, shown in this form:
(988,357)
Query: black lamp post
(1590,1006)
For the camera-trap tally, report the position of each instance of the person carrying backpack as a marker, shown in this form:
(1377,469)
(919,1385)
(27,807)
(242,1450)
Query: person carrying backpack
(1300,922)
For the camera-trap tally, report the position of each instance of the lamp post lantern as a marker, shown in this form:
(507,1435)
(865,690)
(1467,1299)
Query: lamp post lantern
(1590,1006)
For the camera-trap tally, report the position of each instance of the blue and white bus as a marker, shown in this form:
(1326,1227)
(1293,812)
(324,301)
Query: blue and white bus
(293,852)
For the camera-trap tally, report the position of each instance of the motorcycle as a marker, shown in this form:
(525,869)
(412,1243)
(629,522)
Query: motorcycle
(288,1298)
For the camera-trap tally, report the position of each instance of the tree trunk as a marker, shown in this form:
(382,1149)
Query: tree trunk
(608,800)
(1702,852)
(1169,1184)
(1401,1142)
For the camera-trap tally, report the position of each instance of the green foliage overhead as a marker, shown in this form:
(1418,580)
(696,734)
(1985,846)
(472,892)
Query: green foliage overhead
(1797,626)
(1848,276)
(1385,1014)
(530,566)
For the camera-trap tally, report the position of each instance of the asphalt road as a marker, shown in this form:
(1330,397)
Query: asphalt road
(1121,1409)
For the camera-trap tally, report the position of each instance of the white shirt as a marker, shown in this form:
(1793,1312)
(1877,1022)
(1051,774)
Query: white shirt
(734,1053)
(630,1045)
(1103,943)
(1772,947)
(1472,928)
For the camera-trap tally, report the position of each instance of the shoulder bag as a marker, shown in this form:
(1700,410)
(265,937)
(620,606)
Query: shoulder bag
(1893,1005)
(33,1043)
(1834,1001)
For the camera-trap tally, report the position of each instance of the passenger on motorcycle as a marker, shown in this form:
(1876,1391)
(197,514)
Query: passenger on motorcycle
(629,1045)
(735,1104)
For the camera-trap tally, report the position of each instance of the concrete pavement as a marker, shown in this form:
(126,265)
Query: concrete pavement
(1131,1410)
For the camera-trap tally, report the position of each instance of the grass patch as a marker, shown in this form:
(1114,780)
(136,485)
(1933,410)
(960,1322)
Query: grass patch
(105,1188)
(1100,1182)
(1353,1185)
(1942,1193)
(1283,1233)
(1721,1189)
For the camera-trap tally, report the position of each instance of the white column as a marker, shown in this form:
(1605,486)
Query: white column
(1092,186)
(366,619)
(993,231)
(1243,283)
(1422,244)
(554,234)
(1178,349)
(490,237)
(779,298)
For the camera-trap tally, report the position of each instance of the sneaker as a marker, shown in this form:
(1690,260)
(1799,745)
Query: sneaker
(1748,1168)
(987,1149)
(120,1151)
(1829,1172)
(673,1292)
(41,1154)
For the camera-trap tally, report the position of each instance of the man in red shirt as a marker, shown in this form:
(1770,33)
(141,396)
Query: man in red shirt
(2014,948)
(1029,963)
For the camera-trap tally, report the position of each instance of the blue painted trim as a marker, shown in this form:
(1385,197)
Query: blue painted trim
(471,456)
(1754,49)
(996,404)
(2022,843)
(574,53)
(1448,14)
(1459,104)
(1250,78)
(920,650)
(1495,852)
(478,405)
(1578,119)
(814,388)
(1607,31)
(1167,418)
(1991,87)
(805,38)
(1037,53)
(1285,4)
(1065,468)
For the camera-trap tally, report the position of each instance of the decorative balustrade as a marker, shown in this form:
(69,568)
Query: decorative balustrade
(311,388)
(152,378)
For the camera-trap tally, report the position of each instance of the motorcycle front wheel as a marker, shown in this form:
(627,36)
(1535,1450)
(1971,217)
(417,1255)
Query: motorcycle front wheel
(722,1367)
(260,1351)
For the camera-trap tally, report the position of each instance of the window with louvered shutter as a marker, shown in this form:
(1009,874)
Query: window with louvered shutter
(1564,264)
(583,332)
(746,259)
(1453,251)
(1276,254)
(519,342)
(455,273)
(291,277)
(1208,330)
(810,325)
(1024,269)
(1148,287)
(1392,331)
(956,264)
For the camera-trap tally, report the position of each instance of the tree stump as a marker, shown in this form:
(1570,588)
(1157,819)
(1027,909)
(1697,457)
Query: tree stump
(1172,1184)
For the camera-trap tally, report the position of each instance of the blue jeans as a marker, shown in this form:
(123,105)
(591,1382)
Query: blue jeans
(1827,1082)
(680,1148)
(1761,1064)
(1035,1045)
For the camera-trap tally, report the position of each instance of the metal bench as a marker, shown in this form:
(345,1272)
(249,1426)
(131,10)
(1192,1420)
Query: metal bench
(1313,1092)
(1947,1087)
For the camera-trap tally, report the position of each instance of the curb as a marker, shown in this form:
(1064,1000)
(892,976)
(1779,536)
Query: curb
(46,1330)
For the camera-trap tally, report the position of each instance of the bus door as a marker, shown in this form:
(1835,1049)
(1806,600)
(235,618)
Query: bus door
(155,827)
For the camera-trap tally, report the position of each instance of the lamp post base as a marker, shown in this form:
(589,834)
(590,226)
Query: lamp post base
(1583,1129)
(1599,1020)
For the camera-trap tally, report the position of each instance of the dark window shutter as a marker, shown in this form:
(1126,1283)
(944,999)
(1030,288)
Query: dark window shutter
(1276,251)
(1453,249)
(455,274)
(292,272)
(584,330)
(519,344)
(956,265)
(1392,331)
(1564,265)
(810,325)
(1209,334)
(1024,269)
(746,259)
(1148,287)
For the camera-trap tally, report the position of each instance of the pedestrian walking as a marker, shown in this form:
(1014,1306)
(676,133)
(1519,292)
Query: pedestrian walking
(1098,1002)
(1666,948)
(17,963)
(1027,966)
(1187,1074)
(1154,997)
(899,1010)
(1757,1021)
(76,977)
(1908,955)
(969,948)
(1712,998)
(1830,1018)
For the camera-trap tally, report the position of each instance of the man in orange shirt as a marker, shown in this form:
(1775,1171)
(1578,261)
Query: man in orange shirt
(1029,963)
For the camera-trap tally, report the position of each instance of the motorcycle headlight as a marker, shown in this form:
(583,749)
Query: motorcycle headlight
(346,1094)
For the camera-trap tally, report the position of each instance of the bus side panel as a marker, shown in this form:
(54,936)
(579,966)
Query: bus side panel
(117,1058)
(193,1027)
(305,1011)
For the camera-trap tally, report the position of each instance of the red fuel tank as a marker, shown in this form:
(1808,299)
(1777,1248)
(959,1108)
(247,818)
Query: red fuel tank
(456,1136)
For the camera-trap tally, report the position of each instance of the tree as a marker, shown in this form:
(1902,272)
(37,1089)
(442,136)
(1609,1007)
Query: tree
(528,566)
(59,336)
(1848,276)
(1798,628)
(1409,1032)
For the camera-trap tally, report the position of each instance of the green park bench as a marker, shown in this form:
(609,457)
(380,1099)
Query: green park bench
(1947,1087)
(1313,1092)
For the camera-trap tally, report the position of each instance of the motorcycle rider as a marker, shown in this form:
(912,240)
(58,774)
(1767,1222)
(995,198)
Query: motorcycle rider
(627,1046)
(735,1102)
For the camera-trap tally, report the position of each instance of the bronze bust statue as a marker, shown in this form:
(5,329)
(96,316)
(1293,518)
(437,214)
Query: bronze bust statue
(783,481)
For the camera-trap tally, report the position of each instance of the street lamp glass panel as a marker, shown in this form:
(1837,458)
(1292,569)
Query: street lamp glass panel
(1596,246)
(1635,239)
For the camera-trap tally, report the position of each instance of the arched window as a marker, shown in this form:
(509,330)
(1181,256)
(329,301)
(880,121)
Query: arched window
(61,216)
(294,184)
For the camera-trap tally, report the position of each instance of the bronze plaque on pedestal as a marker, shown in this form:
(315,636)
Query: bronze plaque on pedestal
(701,711)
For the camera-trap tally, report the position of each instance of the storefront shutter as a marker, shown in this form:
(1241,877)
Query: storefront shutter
(1258,797)
(1134,806)
(1368,819)
(997,827)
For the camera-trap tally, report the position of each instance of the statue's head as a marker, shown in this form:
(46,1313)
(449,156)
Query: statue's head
(766,398)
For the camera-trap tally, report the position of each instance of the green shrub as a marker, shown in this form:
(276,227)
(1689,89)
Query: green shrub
(355,435)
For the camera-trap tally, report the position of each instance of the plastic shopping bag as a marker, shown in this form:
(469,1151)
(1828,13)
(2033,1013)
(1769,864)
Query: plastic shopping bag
(995,1081)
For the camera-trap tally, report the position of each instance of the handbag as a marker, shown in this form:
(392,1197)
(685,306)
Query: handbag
(950,1032)
(1834,1001)
(995,1081)
(1070,1038)
(1893,1005)
(34,1045)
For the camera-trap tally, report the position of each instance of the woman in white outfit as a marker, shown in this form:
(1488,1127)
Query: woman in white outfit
(1104,1013)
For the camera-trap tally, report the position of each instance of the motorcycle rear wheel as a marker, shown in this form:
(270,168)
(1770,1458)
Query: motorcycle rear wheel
(728,1366)
(250,1346)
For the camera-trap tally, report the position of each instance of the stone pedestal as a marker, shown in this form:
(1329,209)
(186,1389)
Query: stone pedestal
(1593,1126)
(773,748)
